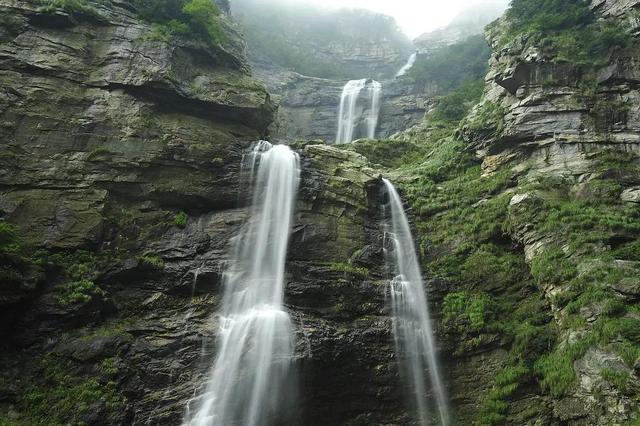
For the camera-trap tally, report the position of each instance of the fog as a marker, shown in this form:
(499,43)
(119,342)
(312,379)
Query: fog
(413,16)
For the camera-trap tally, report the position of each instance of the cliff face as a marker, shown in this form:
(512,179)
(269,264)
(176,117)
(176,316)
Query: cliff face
(120,169)
(120,190)
(308,107)
(549,199)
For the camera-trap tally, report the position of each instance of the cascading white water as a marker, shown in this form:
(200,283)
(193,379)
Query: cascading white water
(375,91)
(247,382)
(406,67)
(352,110)
(414,340)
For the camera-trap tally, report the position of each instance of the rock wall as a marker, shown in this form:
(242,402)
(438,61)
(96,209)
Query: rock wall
(120,167)
(308,107)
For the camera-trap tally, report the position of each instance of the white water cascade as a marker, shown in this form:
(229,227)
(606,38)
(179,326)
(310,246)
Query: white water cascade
(406,67)
(414,340)
(357,108)
(248,381)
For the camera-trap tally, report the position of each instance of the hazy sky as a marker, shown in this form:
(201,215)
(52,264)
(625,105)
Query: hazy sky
(414,16)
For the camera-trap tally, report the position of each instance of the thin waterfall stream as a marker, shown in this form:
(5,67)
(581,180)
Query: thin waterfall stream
(413,333)
(358,110)
(247,384)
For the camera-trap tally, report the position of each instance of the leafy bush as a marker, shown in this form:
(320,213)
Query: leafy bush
(180,220)
(199,18)
(79,291)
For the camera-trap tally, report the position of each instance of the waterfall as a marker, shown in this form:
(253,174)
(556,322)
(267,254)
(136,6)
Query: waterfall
(414,340)
(375,91)
(248,380)
(406,67)
(356,111)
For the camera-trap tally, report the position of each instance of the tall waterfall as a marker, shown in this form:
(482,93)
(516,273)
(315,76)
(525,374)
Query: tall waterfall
(358,113)
(406,67)
(414,340)
(248,380)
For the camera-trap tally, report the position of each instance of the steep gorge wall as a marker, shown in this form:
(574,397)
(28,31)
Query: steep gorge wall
(120,168)
(528,215)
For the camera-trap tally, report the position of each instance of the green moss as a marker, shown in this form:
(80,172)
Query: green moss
(108,366)
(553,267)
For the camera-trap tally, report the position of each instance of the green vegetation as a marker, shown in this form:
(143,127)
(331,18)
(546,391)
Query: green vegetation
(181,220)
(79,291)
(348,268)
(14,262)
(152,262)
(73,7)
(451,66)
(66,397)
(567,27)
(454,106)
(507,382)
(79,270)
(466,312)
(187,18)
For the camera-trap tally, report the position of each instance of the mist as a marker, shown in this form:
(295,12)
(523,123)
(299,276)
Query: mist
(414,17)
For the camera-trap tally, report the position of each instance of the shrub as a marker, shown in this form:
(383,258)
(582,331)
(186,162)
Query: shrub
(199,18)
(180,220)
(152,262)
(80,291)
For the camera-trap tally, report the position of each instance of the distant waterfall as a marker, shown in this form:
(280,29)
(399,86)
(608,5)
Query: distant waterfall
(248,380)
(406,67)
(358,113)
(414,341)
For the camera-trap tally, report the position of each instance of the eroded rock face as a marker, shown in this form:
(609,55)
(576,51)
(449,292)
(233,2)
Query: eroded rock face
(537,120)
(121,154)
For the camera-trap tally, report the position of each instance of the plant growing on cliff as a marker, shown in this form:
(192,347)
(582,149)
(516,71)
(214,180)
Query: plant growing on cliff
(569,27)
(72,7)
(187,18)
(180,220)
